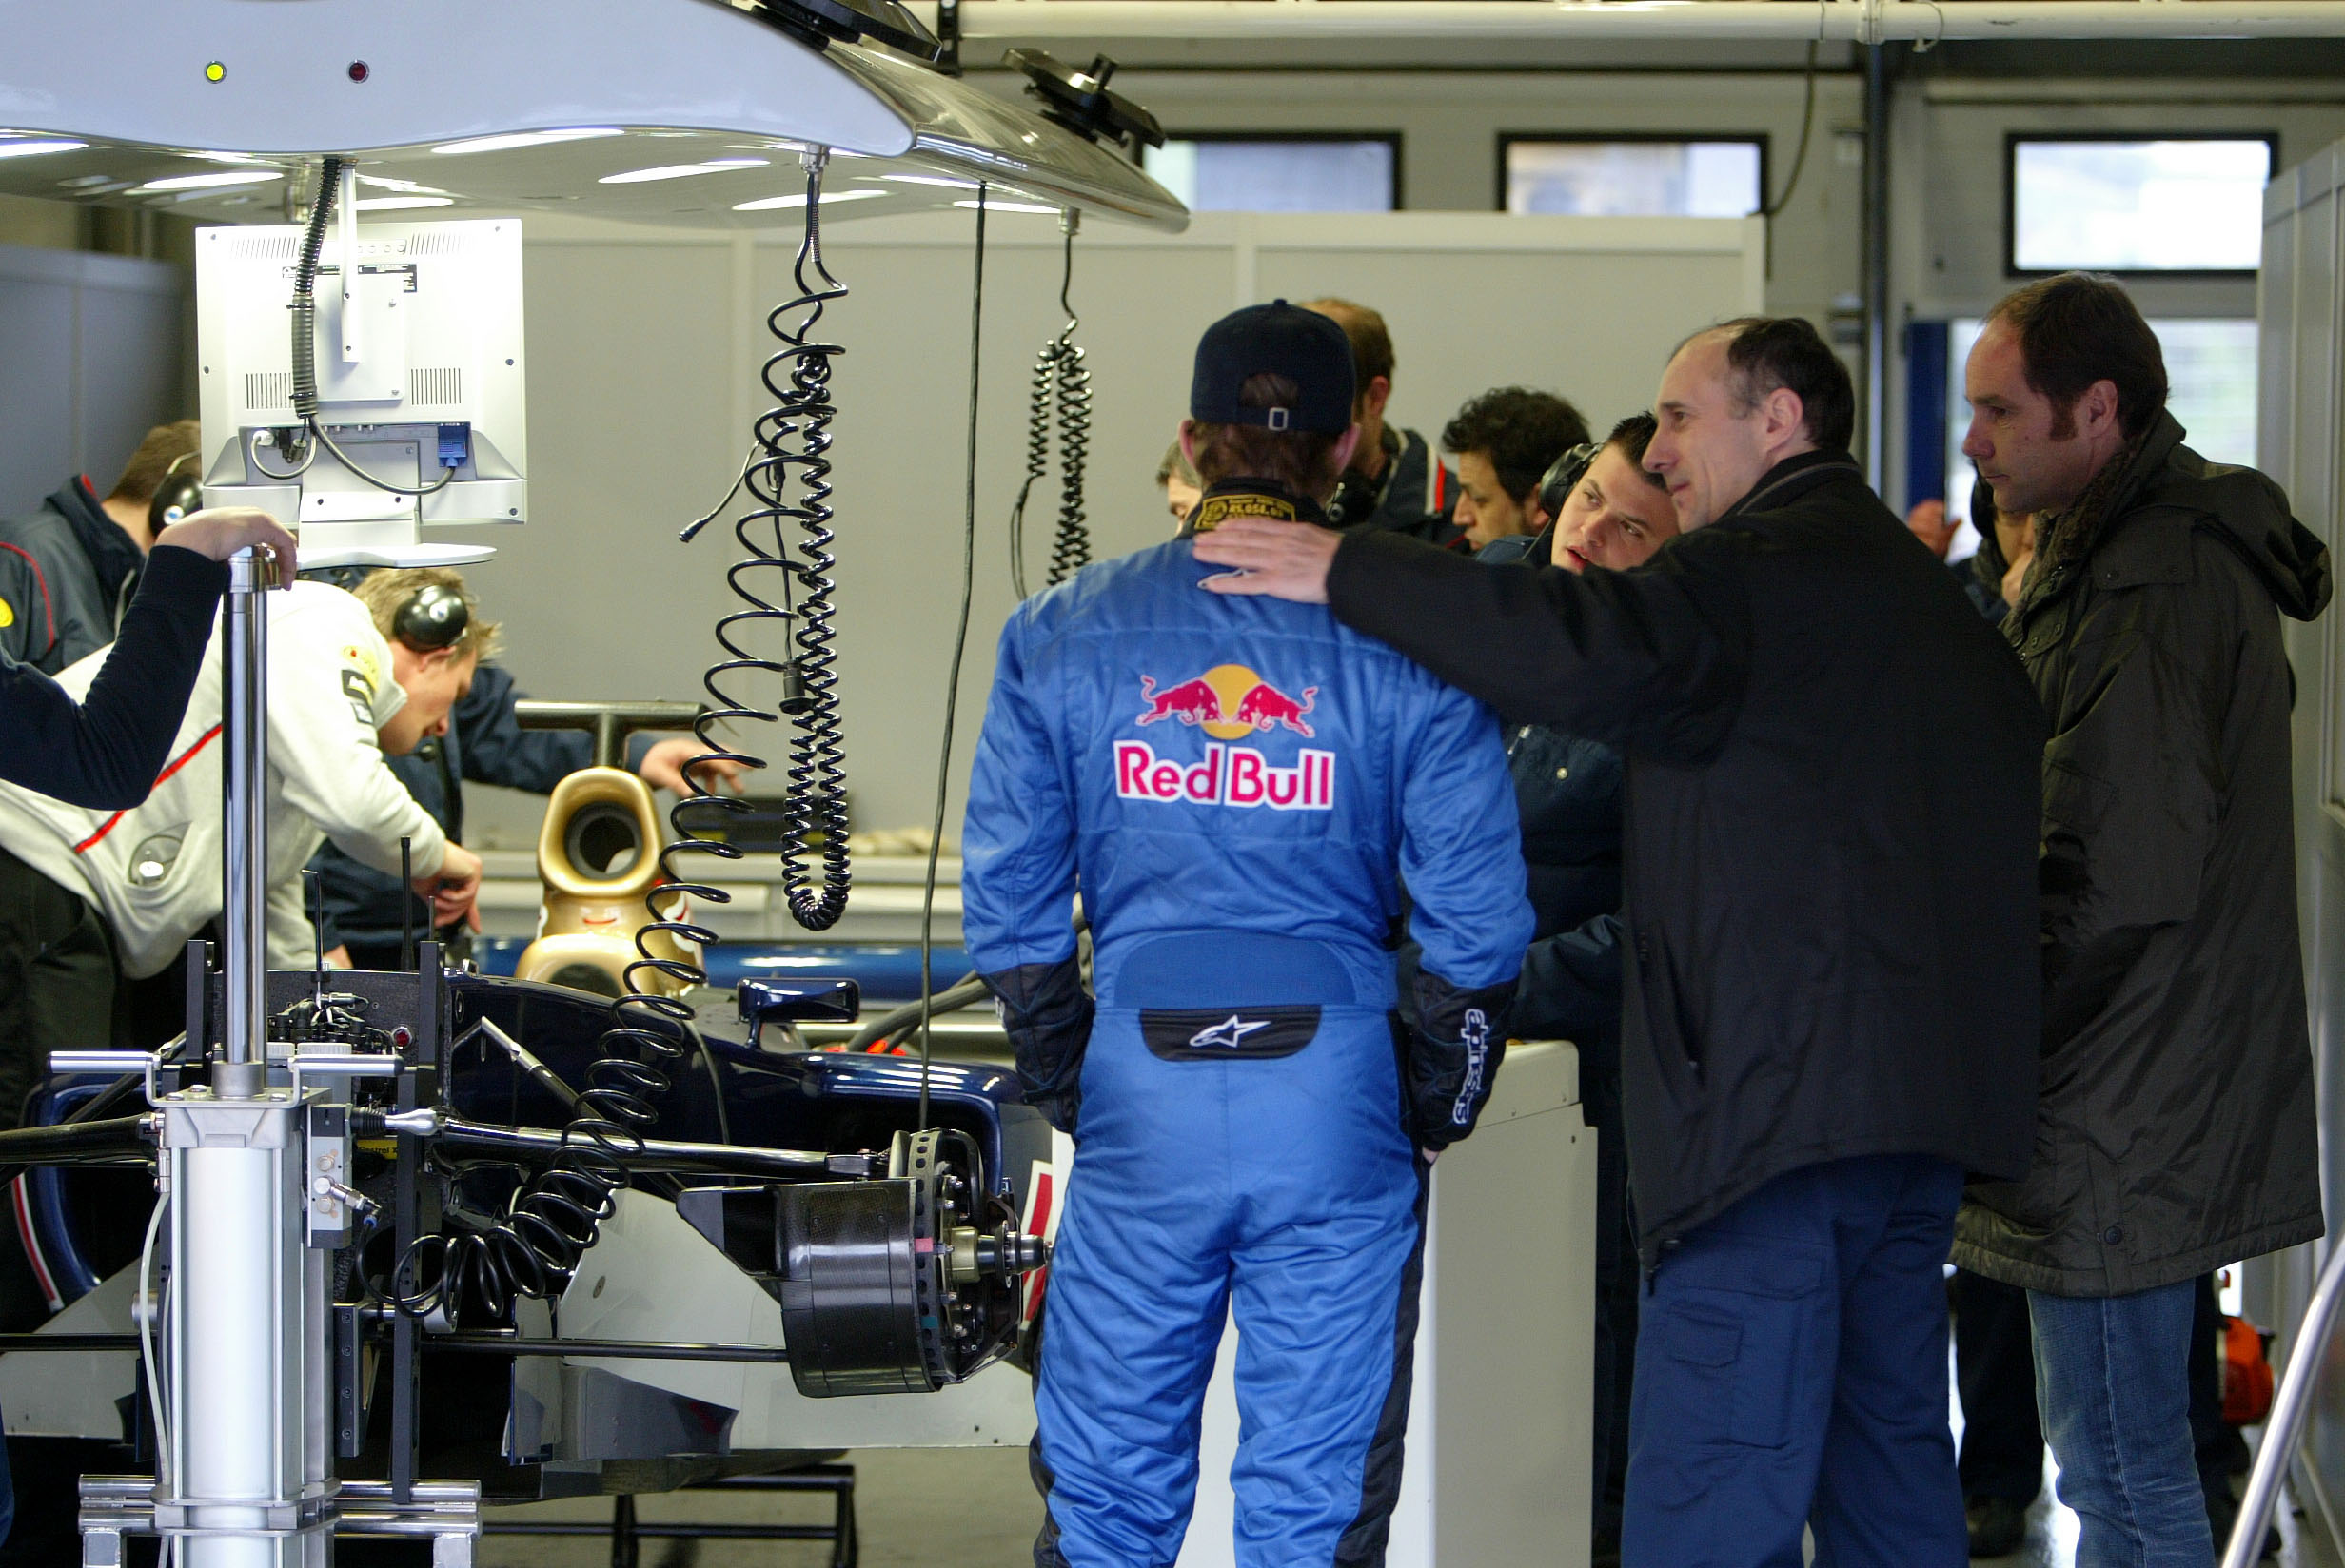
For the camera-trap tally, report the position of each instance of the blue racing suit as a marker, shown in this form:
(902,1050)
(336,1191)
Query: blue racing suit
(1236,786)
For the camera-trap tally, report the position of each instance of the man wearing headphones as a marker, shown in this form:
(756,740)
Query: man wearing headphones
(89,898)
(420,611)
(1394,481)
(68,569)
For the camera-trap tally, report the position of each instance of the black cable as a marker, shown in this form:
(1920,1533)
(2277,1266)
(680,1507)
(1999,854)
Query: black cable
(305,309)
(1070,547)
(1808,127)
(304,313)
(960,645)
(795,433)
(557,1216)
(1061,377)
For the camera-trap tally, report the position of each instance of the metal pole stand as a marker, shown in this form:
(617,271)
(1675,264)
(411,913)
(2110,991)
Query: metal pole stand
(2284,1428)
(255,1174)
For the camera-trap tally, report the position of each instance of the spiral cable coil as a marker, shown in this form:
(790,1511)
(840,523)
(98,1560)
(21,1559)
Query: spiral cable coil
(555,1219)
(795,433)
(1060,377)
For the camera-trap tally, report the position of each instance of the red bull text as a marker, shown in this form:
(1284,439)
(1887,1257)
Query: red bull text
(1229,775)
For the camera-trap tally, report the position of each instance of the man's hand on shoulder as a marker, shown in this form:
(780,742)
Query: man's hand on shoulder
(1284,560)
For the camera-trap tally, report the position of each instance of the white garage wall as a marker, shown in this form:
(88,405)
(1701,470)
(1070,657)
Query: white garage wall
(642,356)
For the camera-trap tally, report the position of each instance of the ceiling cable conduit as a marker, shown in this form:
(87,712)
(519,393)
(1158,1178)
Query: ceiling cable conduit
(1831,21)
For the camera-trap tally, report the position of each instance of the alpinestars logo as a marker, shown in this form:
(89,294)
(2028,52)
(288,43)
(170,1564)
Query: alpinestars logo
(1228,1034)
(1475,1031)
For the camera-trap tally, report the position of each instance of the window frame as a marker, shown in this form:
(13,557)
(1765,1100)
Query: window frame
(1763,139)
(1392,139)
(2012,140)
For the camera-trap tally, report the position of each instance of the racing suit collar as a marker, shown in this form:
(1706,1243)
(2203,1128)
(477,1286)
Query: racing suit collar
(1243,497)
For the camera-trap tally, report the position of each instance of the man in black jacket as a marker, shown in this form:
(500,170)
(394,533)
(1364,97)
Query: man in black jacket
(67,568)
(2177,1130)
(1830,1002)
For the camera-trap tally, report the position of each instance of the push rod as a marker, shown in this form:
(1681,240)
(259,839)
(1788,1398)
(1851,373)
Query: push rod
(458,1138)
(649,1350)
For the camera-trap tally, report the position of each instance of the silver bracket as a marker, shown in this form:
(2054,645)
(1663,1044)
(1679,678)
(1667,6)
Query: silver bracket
(446,1511)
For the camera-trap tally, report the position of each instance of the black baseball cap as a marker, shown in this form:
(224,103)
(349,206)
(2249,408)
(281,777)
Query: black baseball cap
(1276,338)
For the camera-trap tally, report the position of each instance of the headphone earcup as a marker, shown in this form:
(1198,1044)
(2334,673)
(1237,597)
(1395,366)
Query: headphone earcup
(180,493)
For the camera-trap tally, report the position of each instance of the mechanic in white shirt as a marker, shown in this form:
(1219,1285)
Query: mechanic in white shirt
(340,698)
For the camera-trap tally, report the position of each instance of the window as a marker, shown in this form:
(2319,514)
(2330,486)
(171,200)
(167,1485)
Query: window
(1280,173)
(2210,367)
(1658,178)
(2181,205)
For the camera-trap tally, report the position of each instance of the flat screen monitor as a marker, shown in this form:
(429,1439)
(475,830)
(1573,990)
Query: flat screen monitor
(420,375)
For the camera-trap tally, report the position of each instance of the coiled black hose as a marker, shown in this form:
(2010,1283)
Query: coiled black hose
(1061,377)
(537,1247)
(305,307)
(795,433)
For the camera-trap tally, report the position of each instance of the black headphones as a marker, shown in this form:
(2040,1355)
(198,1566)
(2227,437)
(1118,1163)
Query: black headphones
(434,617)
(178,494)
(1555,485)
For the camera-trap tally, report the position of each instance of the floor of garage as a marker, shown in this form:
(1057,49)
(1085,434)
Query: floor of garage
(974,1508)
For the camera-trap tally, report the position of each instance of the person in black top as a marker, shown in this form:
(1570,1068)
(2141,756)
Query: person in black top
(1827,1021)
(105,753)
(69,568)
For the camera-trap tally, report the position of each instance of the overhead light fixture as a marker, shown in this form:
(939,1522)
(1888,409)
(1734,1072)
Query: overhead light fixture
(773,204)
(207,182)
(1012,207)
(32,149)
(400,204)
(680,171)
(528,139)
(932,179)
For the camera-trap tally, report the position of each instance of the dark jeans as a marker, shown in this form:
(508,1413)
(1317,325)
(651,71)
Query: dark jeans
(1791,1371)
(1994,1371)
(2112,1376)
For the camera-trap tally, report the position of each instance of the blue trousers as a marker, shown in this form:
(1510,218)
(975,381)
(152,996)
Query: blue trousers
(2113,1381)
(1279,1187)
(1791,1371)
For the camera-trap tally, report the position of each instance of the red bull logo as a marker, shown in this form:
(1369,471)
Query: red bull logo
(1229,701)
(1229,775)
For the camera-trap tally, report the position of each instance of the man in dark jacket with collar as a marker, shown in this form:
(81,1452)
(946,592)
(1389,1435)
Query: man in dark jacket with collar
(68,569)
(1395,481)
(2177,1132)
(1830,988)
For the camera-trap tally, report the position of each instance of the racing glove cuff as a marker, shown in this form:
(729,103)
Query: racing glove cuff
(1452,1056)
(1046,1014)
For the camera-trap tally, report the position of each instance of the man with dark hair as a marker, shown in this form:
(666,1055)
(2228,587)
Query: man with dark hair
(1505,441)
(1393,480)
(67,569)
(2177,1132)
(1828,1019)
(1235,788)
